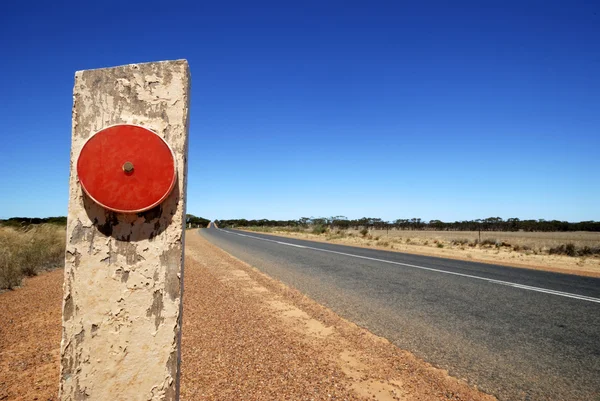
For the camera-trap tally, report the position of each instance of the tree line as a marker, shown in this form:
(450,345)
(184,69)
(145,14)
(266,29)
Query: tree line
(62,220)
(343,223)
(196,222)
(26,221)
(488,224)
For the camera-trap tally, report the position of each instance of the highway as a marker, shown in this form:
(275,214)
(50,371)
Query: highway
(515,333)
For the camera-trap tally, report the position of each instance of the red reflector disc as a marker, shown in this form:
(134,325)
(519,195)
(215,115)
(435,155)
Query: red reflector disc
(126,168)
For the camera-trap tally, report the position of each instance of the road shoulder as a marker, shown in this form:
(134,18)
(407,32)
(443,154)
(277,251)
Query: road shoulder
(286,344)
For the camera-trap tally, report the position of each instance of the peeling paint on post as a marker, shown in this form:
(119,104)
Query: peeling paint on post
(124,272)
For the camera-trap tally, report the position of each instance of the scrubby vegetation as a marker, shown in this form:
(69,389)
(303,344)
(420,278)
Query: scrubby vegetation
(319,229)
(25,251)
(571,250)
(28,221)
(386,236)
(372,223)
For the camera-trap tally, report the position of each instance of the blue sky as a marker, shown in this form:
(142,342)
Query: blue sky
(437,110)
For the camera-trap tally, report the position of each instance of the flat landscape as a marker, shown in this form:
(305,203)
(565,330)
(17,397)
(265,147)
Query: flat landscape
(245,336)
(292,201)
(298,315)
(532,250)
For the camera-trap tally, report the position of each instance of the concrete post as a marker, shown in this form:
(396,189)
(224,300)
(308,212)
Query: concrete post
(124,272)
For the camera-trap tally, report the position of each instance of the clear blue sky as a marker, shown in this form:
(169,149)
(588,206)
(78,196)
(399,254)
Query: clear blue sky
(439,110)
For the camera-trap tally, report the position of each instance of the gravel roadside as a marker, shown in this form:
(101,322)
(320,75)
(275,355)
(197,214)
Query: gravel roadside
(245,337)
(286,346)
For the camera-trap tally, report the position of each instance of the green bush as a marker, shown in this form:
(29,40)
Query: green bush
(319,229)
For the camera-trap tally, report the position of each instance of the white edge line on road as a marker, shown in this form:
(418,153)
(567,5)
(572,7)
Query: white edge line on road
(500,282)
(286,243)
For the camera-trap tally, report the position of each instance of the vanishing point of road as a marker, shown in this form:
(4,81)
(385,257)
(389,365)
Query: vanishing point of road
(515,333)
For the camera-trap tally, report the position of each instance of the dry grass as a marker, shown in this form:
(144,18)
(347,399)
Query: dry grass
(538,240)
(27,251)
(566,252)
(541,242)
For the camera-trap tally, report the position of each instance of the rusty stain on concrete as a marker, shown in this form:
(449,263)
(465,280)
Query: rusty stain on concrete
(123,274)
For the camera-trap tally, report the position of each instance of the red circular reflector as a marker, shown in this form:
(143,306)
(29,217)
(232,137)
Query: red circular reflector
(126,168)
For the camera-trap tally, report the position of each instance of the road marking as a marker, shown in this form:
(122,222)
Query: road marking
(287,243)
(489,280)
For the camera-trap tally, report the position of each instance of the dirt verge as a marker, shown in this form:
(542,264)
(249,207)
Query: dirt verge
(30,331)
(245,336)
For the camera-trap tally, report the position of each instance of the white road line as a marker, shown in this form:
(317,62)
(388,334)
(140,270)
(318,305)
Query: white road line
(489,280)
(286,243)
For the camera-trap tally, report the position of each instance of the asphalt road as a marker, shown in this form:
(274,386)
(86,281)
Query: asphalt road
(515,333)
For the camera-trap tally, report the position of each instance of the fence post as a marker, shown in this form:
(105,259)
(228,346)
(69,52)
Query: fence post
(123,283)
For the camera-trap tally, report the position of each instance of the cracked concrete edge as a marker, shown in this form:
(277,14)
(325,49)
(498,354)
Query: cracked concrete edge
(124,273)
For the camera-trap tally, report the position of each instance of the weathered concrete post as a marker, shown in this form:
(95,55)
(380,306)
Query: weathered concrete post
(124,270)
